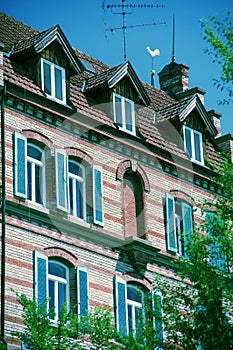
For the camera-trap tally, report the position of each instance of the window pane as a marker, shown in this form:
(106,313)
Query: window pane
(197,146)
(51,294)
(139,322)
(128,116)
(61,297)
(188,142)
(47,79)
(118,111)
(56,269)
(58,84)
(34,153)
(130,324)
(38,184)
(79,200)
(134,294)
(75,169)
(71,195)
(29,179)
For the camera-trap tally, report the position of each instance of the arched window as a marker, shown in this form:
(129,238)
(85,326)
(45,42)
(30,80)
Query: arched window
(133,201)
(58,280)
(77,189)
(35,174)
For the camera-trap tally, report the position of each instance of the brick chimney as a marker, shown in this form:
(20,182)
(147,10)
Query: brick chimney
(173,78)
(215,117)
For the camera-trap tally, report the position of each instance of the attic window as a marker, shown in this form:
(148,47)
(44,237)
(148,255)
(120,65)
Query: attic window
(53,80)
(124,113)
(88,66)
(193,145)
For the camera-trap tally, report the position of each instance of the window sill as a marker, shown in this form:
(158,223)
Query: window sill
(38,207)
(76,220)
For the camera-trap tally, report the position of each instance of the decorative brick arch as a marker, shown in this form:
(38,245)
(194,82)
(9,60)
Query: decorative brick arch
(37,136)
(183,196)
(142,282)
(80,154)
(56,252)
(133,166)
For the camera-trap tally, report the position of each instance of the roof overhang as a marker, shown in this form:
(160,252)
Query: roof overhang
(195,103)
(124,70)
(56,34)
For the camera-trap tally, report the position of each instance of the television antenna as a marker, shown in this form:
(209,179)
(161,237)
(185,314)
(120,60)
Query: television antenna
(127,9)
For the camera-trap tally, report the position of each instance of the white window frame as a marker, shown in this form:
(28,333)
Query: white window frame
(58,280)
(53,66)
(79,179)
(41,164)
(123,114)
(193,155)
(134,304)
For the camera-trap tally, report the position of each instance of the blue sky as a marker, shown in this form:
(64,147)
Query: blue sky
(87,24)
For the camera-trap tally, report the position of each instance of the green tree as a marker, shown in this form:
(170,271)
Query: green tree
(198,304)
(219,36)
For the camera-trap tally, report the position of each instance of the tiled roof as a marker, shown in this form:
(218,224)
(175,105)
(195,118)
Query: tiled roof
(13,32)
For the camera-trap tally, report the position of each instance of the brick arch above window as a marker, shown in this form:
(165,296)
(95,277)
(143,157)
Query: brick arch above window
(182,196)
(143,283)
(37,136)
(133,166)
(56,252)
(80,154)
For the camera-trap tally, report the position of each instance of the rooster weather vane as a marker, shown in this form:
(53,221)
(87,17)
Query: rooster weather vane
(126,9)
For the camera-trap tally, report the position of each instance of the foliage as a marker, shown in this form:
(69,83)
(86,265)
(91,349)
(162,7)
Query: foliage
(219,36)
(199,303)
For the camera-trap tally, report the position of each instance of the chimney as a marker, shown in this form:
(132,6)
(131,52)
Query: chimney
(215,117)
(225,143)
(173,79)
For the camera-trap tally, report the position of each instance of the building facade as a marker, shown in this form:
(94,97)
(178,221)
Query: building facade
(100,175)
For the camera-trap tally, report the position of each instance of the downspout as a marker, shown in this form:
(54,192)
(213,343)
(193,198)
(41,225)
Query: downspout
(3,199)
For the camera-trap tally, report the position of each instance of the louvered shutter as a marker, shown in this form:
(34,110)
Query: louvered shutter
(40,277)
(170,223)
(157,315)
(214,226)
(120,293)
(97,196)
(187,220)
(20,165)
(83,290)
(61,179)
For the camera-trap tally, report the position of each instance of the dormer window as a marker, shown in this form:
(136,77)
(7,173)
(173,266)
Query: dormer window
(124,113)
(53,80)
(193,145)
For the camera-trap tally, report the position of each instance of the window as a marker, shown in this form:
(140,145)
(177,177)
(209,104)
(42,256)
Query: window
(52,280)
(124,113)
(71,187)
(130,309)
(135,308)
(77,192)
(53,81)
(179,224)
(193,144)
(35,174)
(58,279)
(29,170)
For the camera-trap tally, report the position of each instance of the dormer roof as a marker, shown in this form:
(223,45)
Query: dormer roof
(183,108)
(40,41)
(115,74)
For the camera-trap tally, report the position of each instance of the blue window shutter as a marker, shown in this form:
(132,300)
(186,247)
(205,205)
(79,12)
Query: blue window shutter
(20,165)
(40,277)
(83,290)
(187,220)
(97,196)
(157,307)
(217,256)
(170,223)
(61,179)
(120,292)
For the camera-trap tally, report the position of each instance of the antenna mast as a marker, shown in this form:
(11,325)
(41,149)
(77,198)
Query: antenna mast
(123,13)
(173,40)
